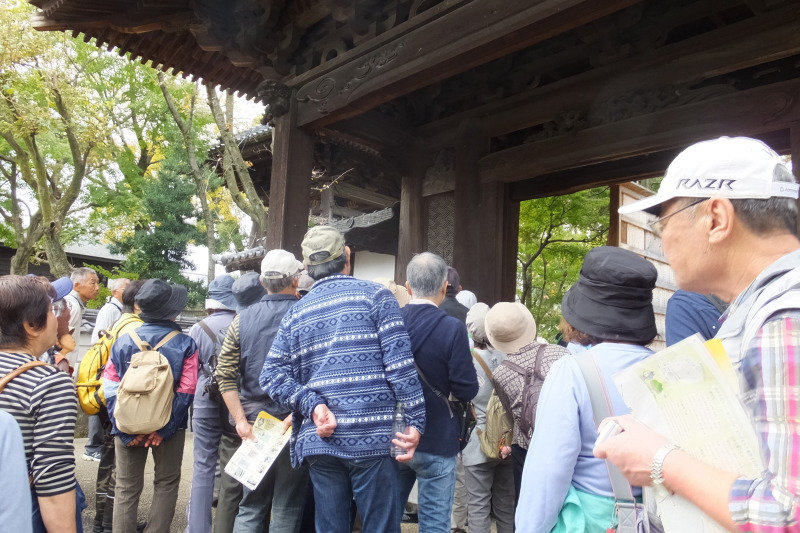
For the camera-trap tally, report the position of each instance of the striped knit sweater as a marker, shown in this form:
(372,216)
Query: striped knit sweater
(44,404)
(344,344)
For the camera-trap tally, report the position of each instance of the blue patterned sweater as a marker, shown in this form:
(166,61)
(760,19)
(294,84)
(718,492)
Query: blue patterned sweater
(344,344)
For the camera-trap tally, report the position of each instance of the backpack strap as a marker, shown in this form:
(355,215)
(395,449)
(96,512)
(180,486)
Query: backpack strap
(169,336)
(601,408)
(208,331)
(484,366)
(141,344)
(5,380)
(437,392)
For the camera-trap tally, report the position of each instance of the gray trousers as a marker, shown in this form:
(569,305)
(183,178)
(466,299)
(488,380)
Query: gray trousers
(458,517)
(490,489)
(95,434)
(167,458)
(207,435)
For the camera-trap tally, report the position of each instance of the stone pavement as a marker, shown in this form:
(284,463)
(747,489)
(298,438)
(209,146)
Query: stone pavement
(86,472)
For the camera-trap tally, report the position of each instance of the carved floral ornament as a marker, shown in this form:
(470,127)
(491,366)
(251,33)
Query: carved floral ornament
(322,91)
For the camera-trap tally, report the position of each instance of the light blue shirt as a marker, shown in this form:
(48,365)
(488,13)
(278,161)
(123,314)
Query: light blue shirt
(15,505)
(560,453)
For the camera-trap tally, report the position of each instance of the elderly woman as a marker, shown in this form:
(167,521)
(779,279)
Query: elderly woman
(41,399)
(609,310)
(490,482)
(510,328)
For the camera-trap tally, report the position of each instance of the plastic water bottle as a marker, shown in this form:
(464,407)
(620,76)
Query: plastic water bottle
(398,426)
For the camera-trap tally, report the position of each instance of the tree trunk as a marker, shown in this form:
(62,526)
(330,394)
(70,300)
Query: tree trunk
(20,260)
(56,256)
(201,184)
(234,166)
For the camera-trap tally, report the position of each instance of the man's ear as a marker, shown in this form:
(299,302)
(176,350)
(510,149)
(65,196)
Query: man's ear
(408,288)
(719,217)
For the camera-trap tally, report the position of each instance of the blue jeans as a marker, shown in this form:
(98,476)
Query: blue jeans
(436,475)
(372,482)
(283,490)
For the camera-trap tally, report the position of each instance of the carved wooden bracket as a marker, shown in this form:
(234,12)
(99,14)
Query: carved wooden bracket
(335,91)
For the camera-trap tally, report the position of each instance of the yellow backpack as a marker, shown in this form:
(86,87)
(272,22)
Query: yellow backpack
(89,382)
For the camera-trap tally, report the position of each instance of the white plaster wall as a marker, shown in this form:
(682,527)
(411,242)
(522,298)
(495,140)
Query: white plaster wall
(370,265)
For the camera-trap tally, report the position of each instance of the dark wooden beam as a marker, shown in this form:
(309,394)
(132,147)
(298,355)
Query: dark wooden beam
(598,175)
(617,171)
(750,112)
(364,196)
(747,43)
(469,36)
(290,184)
(378,128)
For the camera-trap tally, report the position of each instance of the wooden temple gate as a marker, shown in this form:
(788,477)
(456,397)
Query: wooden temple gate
(460,109)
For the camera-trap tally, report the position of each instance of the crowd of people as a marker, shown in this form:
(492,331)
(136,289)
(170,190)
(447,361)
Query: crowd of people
(336,358)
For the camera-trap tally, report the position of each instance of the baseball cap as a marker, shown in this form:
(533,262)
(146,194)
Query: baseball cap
(63,286)
(728,167)
(280,264)
(322,244)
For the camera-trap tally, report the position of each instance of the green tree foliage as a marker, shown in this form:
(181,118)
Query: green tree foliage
(52,134)
(554,235)
(160,249)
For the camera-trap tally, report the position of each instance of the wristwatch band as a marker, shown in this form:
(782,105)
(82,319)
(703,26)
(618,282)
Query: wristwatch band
(657,470)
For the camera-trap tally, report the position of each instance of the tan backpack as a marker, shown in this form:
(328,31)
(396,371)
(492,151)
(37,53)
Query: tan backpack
(144,397)
(496,432)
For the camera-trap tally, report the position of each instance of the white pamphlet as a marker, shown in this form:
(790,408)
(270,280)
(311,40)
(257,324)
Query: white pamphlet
(254,458)
(686,394)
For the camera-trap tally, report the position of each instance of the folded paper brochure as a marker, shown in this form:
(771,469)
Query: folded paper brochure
(254,458)
(689,393)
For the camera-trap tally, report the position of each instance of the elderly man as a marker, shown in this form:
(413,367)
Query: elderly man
(112,309)
(727,215)
(440,346)
(240,363)
(341,361)
(85,287)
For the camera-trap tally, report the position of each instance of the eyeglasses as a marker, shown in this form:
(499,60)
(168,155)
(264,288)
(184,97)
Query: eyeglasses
(657,226)
(57,307)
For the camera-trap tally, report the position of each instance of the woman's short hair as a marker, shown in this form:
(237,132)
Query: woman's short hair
(23,300)
(571,334)
(129,295)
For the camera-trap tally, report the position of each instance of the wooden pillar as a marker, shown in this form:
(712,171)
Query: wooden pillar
(471,145)
(613,216)
(290,185)
(509,249)
(410,238)
(794,142)
(496,255)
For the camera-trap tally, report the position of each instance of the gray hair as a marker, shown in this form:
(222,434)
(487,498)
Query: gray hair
(426,273)
(275,286)
(117,283)
(81,274)
(771,214)
(334,266)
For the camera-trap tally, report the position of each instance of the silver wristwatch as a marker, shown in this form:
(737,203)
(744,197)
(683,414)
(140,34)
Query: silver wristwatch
(657,469)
